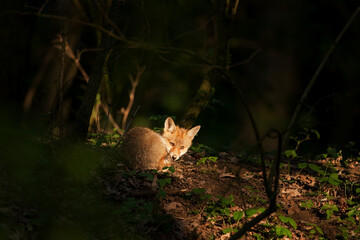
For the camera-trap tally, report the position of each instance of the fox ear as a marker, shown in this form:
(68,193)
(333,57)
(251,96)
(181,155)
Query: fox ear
(169,125)
(192,132)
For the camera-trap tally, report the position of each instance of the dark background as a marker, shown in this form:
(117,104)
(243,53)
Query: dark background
(293,36)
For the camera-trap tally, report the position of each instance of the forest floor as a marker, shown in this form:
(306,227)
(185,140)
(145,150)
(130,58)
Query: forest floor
(49,191)
(210,197)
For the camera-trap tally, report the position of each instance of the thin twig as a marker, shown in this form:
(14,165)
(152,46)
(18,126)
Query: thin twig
(315,76)
(112,24)
(271,195)
(104,30)
(87,50)
(76,59)
(43,6)
(134,83)
(193,30)
(70,53)
(250,58)
(37,80)
(61,81)
(256,133)
(137,44)
(110,117)
(107,119)
(248,225)
(128,126)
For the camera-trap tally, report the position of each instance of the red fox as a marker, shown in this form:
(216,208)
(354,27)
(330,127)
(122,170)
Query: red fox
(146,149)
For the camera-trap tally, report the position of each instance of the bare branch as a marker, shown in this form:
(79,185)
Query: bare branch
(142,45)
(134,83)
(250,58)
(70,54)
(112,24)
(272,194)
(315,76)
(111,119)
(60,18)
(43,6)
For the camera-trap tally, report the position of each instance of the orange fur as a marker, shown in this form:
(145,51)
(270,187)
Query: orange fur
(146,149)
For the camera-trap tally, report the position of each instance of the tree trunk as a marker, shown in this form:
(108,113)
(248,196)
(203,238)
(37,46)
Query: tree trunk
(222,29)
(81,124)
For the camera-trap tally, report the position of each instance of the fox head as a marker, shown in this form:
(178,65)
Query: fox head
(177,140)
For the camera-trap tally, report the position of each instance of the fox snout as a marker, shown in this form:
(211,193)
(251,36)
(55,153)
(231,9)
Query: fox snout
(174,157)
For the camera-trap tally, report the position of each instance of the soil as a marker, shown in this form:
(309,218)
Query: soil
(203,198)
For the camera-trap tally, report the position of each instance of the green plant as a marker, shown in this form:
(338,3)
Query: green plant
(325,176)
(308,204)
(200,148)
(333,179)
(353,211)
(252,211)
(282,231)
(314,230)
(288,220)
(258,236)
(236,216)
(136,210)
(101,139)
(207,160)
(345,232)
(303,136)
(330,153)
(220,207)
(161,183)
(199,193)
(329,209)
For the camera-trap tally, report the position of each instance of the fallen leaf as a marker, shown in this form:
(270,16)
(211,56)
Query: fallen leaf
(223,175)
(172,206)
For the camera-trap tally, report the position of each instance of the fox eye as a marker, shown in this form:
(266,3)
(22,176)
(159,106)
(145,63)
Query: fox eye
(182,147)
(172,144)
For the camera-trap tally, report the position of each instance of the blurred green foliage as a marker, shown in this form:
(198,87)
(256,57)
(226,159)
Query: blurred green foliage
(49,192)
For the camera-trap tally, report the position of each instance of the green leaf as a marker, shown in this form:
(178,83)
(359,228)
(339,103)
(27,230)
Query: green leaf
(282,231)
(163,182)
(334,179)
(213,159)
(351,219)
(201,161)
(252,211)
(290,153)
(198,191)
(357,190)
(319,230)
(161,194)
(302,165)
(316,133)
(308,204)
(227,230)
(205,197)
(288,220)
(147,175)
(149,207)
(293,223)
(225,212)
(332,152)
(283,219)
(258,236)
(316,168)
(334,176)
(238,215)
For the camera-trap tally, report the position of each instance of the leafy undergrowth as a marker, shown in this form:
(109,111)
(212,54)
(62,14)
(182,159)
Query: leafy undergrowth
(84,192)
(210,197)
